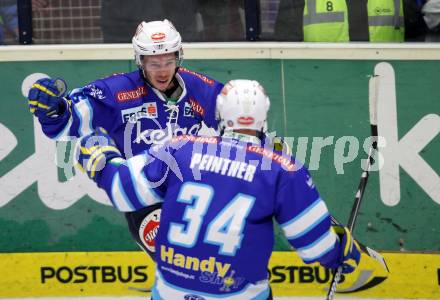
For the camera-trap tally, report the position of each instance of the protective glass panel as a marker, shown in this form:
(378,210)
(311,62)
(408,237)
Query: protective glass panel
(115,21)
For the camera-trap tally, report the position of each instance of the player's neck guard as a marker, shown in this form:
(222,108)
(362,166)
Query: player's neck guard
(242,137)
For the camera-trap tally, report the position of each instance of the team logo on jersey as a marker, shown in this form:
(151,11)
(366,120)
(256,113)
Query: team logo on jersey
(148,229)
(147,110)
(94,91)
(160,136)
(188,111)
(125,96)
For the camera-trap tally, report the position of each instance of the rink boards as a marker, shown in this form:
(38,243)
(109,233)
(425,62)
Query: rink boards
(127,273)
(59,235)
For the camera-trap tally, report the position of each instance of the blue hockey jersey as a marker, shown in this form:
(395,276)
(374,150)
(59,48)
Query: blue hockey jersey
(219,198)
(134,114)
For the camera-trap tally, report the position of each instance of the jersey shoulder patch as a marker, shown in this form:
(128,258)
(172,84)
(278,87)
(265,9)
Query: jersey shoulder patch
(92,90)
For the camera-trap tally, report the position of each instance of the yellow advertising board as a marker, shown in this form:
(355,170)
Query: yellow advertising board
(411,276)
(74,274)
(131,273)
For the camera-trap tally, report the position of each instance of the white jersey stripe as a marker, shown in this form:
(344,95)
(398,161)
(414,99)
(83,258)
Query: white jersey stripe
(164,290)
(119,197)
(64,135)
(305,221)
(318,248)
(85,115)
(144,193)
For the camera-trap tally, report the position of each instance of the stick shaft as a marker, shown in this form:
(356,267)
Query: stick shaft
(353,216)
(363,182)
(372,102)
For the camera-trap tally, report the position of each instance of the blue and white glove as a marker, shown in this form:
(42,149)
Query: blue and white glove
(45,98)
(350,253)
(95,150)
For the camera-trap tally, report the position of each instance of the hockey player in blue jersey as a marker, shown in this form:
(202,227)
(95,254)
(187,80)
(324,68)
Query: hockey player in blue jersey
(144,107)
(137,109)
(220,195)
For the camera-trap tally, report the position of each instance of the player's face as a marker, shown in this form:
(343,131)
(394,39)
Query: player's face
(160,69)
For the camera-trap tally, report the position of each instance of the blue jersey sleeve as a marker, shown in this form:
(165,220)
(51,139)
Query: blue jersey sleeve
(304,218)
(78,118)
(203,92)
(140,181)
(57,128)
(209,117)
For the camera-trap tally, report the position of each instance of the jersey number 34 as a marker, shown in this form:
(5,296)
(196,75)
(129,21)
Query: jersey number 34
(225,230)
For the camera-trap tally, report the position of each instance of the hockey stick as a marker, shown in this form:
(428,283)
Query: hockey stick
(143,290)
(372,100)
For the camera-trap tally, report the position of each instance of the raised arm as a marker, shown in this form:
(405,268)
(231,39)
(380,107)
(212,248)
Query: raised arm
(62,116)
(131,184)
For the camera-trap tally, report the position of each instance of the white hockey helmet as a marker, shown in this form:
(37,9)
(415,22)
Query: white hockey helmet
(242,104)
(155,38)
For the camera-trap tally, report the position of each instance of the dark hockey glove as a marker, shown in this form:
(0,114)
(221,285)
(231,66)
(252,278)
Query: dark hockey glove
(350,253)
(95,150)
(45,98)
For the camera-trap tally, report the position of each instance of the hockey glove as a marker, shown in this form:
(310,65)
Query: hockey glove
(45,97)
(95,150)
(276,143)
(281,145)
(350,253)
